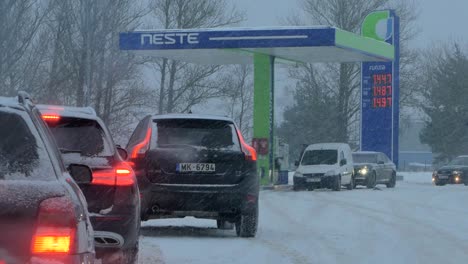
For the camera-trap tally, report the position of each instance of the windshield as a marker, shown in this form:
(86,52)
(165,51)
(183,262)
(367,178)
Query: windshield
(81,135)
(22,153)
(210,134)
(364,158)
(320,157)
(460,161)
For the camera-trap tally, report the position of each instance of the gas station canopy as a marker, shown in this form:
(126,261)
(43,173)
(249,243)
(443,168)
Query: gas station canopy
(237,46)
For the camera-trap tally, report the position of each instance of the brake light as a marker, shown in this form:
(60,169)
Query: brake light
(122,175)
(50,117)
(55,230)
(250,152)
(143,146)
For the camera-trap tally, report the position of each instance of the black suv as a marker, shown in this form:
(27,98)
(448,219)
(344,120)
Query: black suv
(196,165)
(113,196)
(43,216)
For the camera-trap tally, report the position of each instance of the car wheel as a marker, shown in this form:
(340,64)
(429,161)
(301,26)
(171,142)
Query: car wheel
(224,225)
(392,182)
(246,225)
(337,184)
(371,181)
(351,185)
(296,188)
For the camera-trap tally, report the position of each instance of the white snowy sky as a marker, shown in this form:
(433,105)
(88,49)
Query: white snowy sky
(438,20)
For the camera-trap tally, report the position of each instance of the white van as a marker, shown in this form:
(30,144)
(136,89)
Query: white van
(326,165)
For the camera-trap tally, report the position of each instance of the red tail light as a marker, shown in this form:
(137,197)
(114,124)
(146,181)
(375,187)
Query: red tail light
(56,227)
(122,175)
(51,117)
(250,153)
(143,146)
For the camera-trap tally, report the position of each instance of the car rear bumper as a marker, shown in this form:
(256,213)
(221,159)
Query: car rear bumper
(125,226)
(84,258)
(204,201)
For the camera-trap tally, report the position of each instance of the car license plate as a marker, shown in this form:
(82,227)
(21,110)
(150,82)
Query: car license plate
(195,167)
(313,180)
(443,177)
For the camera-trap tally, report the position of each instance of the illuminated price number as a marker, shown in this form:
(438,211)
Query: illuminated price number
(382,90)
(380,79)
(382,102)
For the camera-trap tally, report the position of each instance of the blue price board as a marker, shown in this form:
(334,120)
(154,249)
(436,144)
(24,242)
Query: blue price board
(380,89)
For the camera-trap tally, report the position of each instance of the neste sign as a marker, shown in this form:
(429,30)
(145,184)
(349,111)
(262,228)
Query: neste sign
(169,38)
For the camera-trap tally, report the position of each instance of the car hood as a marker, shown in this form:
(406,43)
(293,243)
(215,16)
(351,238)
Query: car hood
(452,168)
(317,168)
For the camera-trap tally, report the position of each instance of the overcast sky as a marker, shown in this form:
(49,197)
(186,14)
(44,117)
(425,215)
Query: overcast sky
(439,20)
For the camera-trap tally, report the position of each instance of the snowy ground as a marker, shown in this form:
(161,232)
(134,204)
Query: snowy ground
(414,223)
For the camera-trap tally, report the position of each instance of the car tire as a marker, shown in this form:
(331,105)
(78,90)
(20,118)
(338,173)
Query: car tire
(246,225)
(310,188)
(351,185)
(337,184)
(224,225)
(296,188)
(392,182)
(371,182)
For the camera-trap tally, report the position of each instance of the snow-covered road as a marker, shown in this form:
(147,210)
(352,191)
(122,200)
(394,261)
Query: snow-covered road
(414,223)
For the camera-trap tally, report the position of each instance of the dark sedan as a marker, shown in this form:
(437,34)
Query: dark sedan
(453,173)
(113,196)
(43,216)
(372,168)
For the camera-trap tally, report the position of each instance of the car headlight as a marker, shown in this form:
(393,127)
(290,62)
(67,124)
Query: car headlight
(456,172)
(298,174)
(364,171)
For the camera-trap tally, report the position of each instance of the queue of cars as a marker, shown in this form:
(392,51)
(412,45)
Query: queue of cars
(333,165)
(83,198)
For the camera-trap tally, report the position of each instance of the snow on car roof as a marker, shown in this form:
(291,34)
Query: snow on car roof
(68,111)
(9,101)
(192,116)
(325,146)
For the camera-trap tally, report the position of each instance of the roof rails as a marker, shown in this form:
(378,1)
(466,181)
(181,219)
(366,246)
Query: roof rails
(23,96)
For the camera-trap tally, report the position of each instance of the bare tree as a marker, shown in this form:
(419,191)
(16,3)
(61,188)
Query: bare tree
(20,21)
(184,85)
(238,85)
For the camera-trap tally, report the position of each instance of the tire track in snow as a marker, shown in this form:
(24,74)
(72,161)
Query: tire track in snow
(326,245)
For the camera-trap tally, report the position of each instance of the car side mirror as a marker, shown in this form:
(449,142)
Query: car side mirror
(380,162)
(343,162)
(122,152)
(82,174)
(296,163)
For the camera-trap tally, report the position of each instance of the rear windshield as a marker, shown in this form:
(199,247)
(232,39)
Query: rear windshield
(22,153)
(81,135)
(365,158)
(211,134)
(320,157)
